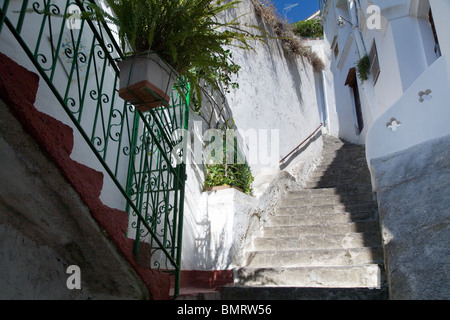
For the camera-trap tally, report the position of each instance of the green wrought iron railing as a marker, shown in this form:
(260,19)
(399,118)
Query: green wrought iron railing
(135,149)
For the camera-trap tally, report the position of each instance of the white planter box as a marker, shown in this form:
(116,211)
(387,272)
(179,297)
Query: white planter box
(146,81)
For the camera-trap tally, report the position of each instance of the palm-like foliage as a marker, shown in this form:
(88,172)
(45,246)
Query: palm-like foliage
(185,33)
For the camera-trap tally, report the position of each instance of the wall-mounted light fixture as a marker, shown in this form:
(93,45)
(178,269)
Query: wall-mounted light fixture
(341,22)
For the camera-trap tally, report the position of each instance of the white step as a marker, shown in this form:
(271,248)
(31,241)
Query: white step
(359,276)
(289,208)
(331,241)
(294,200)
(320,257)
(320,229)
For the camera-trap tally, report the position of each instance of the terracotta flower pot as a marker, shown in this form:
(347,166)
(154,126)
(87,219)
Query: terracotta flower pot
(146,81)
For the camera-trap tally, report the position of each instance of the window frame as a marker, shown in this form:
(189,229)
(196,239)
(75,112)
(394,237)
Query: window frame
(374,62)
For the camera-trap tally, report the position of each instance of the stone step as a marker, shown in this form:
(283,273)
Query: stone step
(342,155)
(306,200)
(325,192)
(337,184)
(312,242)
(323,229)
(291,209)
(241,293)
(359,276)
(346,147)
(340,173)
(320,257)
(320,219)
(347,153)
(342,164)
(332,169)
(341,179)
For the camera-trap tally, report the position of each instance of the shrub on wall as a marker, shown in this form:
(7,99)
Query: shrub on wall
(363,68)
(308,28)
(291,43)
(236,173)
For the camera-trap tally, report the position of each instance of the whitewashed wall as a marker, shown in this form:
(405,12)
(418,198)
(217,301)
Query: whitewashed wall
(414,119)
(409,66)
(276,92)
(405,50)
(277,99)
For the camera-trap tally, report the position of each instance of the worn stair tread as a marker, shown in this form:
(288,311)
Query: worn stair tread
(356,276)
(351,181)
(337,210)
(331,241)
(338,175)
(337,191)
(330,184)
(320,219)
(302,200)
(326,206)
(325,229)
(338,163)
(344,153)
(299,293)
(316,257)
(322,240)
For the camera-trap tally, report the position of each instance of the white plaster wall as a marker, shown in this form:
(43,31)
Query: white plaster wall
(340,101)
(416,121)
(403,45)
(276,93)
(409,47)
(405,50)
(388,88)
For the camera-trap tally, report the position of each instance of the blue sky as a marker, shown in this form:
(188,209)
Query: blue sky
(302,9)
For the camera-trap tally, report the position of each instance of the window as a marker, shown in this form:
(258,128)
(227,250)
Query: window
(334,47)
(374,63)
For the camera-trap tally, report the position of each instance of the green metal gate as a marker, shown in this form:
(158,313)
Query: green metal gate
(135,149)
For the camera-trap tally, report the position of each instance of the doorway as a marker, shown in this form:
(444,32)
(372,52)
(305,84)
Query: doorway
(352,82)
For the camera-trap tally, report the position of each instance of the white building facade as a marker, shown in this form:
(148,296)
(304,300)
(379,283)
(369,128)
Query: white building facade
(403,39)
(401,112)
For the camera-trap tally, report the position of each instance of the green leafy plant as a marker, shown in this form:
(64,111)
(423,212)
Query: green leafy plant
(363,67)
(308,28)
(236,173)
(185,33)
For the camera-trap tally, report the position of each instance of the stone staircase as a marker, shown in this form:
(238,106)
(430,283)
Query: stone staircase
(323,241)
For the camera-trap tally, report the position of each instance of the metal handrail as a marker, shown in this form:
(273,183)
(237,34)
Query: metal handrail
(320,126)
(119,137)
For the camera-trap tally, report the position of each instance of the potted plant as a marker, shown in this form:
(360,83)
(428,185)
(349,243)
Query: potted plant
(232,171)
(363,67)
(166,39)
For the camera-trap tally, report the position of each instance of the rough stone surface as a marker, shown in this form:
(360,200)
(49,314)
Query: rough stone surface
(295,293)
(45,227)
(414,207)
(320,240)
(40,209)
